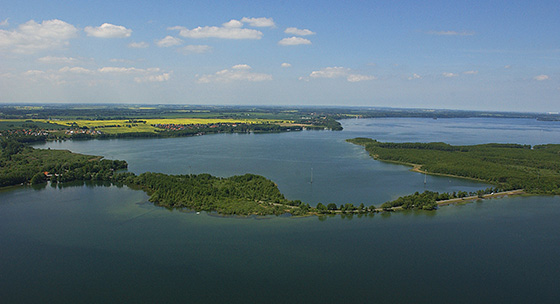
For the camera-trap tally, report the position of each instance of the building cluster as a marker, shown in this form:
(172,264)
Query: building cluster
(82,131)
(24,132)
(179,127)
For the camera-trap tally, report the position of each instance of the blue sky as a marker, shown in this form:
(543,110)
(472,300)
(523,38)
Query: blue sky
(477,55)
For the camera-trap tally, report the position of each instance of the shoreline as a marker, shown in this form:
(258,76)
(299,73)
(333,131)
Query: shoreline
(416,168)
(466,199)
(503,194)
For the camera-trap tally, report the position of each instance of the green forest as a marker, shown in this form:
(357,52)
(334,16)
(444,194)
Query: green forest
(239,195)
(20,164)
(247,194)
(508,166)
(236,195)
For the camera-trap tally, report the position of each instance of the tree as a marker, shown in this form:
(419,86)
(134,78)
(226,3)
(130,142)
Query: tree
(38,178)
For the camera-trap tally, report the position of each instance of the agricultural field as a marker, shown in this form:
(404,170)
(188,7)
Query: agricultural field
(125,125)
(10,124)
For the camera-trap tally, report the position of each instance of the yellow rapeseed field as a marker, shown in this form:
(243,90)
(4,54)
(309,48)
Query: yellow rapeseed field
(126,126)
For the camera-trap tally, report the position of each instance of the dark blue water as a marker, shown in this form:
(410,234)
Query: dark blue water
(106,244)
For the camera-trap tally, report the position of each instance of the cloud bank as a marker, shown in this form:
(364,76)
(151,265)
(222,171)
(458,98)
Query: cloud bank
(232,29)
(32,37)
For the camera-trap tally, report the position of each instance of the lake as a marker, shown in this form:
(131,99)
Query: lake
(87,243)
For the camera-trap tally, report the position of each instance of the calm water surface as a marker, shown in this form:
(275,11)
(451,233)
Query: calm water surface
(86,243)
(342,172)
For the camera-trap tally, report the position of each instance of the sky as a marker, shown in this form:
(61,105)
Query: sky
(469,55)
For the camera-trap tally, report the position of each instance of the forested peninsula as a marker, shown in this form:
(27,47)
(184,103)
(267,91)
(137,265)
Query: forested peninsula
(237,195)
(535,169)
(247,194)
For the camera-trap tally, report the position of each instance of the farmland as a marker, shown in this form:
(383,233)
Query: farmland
(116,126)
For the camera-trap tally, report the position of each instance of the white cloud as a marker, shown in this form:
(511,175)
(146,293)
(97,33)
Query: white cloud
(5,22)
(169,41)
(218,32)
(241,67)
(85,76)
(107,30)
(195,49)
(33,73)
(31,36)
(541,77)
(330,72)
(414,76)
(298,32)
(358,77)
(240,72)
(233,23)
(76,70)
(259,22)
(339,72)
(57,60)
(138,45)
(153,78)
(294,41)
(507,67)
(470,72)
(451,33)
(123,70)
(116,70)
(36,75)
(286,65)
(232,29)
(449,75)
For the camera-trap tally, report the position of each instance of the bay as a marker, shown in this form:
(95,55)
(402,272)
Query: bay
(92,244)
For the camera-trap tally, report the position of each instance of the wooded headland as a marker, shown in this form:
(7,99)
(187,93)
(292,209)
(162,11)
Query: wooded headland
(535,169)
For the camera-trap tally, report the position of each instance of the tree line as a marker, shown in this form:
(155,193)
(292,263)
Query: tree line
(237,195)
(508,166)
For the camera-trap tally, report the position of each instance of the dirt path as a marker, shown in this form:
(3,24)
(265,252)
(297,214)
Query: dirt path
(472,198)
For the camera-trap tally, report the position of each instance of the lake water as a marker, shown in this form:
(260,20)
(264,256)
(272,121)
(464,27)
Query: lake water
(86,243)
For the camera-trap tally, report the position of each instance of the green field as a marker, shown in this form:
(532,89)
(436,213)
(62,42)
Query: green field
(14,124)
